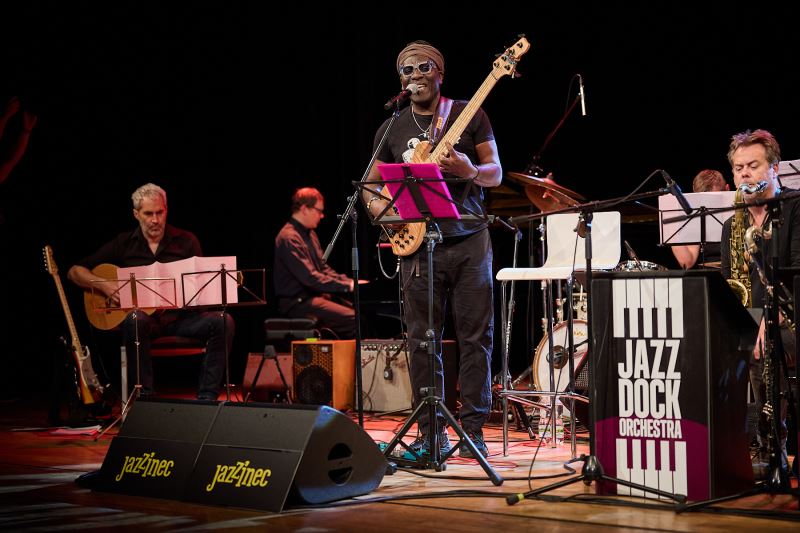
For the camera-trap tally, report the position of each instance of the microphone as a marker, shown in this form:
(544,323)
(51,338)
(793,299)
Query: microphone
(411,88)
(675,190)
(583,95)
(752,188)
(633,256)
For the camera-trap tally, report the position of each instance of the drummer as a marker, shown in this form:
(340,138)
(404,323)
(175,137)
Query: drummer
(687,255)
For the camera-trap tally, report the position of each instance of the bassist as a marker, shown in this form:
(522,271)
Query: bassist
(463,261)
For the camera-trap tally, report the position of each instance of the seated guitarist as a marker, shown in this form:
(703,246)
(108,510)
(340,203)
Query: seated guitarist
(153,240)
(462,263)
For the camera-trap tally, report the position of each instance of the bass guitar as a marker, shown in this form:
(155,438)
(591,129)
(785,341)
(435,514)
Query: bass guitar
(90,390)
(407,239)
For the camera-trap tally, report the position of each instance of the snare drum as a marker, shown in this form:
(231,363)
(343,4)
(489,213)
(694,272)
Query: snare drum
(641,266)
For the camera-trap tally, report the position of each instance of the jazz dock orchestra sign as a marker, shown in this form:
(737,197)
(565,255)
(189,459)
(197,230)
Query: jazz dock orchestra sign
(642,433)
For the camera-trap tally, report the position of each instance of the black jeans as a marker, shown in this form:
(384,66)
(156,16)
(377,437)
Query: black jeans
(205,326)
(462,282)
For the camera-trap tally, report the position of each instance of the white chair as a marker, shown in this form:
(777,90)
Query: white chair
(566,253)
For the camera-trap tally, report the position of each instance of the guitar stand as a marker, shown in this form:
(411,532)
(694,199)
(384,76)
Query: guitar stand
(269,354)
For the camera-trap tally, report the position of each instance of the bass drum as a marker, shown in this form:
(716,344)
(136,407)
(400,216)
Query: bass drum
(541,365)
(642,266)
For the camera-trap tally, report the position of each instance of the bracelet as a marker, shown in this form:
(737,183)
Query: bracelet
(477,173)
(369,204)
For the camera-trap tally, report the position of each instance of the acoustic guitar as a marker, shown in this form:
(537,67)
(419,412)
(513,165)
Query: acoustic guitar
(90,390)
(96,304)
(406,240)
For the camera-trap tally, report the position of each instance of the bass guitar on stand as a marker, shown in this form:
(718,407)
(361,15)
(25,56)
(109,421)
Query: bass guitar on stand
(90,391)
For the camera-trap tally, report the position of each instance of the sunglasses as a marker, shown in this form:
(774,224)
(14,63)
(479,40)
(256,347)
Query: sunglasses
(423,68)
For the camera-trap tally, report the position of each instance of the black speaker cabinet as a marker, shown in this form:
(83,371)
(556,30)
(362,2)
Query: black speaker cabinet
(324,373)
(260,456)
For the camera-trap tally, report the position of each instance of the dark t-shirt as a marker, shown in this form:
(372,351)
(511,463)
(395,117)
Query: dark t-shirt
(130,249)
(788,246)
(406,134)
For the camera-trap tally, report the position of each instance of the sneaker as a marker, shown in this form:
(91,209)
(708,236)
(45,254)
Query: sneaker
(477,439)
(420,444)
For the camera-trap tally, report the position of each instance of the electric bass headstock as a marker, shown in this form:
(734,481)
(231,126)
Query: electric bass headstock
(506,63)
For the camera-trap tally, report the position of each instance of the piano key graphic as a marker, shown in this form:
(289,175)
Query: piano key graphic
(636,462)
(636,301)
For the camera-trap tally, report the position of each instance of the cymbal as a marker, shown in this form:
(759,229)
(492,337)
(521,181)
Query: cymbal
(544,194)
(506,201)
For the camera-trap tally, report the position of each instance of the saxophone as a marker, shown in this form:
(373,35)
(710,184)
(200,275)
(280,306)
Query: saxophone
(740,271)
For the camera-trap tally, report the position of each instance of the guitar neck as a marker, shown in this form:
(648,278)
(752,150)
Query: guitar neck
(454,132)
(73,331)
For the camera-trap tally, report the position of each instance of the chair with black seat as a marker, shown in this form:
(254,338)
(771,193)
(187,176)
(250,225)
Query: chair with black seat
(280,332)
(169,346)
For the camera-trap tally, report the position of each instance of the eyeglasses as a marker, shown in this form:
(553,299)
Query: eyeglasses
(423,68)
(320,210)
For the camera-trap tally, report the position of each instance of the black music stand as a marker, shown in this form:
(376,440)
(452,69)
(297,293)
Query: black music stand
(419,197)
(229,281)
(161,302)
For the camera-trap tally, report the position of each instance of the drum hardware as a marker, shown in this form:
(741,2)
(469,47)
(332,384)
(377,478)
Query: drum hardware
(640,266)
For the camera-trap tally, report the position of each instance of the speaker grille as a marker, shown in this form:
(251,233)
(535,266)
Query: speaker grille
(323,372)
(313,386)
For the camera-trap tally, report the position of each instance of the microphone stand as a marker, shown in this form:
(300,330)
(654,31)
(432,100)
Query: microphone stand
(351,214)
(533,169)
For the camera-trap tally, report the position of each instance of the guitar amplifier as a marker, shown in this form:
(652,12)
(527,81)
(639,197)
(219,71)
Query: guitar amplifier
(384,372)
(386,380)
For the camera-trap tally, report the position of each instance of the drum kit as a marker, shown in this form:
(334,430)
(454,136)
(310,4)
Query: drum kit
(547,196)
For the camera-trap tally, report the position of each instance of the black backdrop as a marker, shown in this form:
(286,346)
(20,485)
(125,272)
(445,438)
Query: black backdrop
(230,106)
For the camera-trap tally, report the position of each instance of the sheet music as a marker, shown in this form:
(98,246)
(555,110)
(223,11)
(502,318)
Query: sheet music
(789,172)
(682,232)
(160,293)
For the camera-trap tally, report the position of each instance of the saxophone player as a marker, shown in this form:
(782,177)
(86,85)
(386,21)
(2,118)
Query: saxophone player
(754,158)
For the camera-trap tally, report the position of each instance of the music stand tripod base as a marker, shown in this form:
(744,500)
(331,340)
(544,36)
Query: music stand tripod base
(420,193)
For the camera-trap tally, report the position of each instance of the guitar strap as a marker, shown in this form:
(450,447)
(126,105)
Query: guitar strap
(440,118)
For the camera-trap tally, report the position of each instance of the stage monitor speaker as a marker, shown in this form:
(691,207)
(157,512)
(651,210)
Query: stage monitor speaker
(269,386)
(261,456)
(324,373)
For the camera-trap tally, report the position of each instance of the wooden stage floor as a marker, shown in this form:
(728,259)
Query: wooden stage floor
(38,493)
